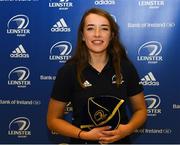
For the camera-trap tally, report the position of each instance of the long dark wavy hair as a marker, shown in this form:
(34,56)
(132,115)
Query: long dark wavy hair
(115,49)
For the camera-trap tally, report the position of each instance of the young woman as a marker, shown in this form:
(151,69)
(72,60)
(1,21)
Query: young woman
(99,80)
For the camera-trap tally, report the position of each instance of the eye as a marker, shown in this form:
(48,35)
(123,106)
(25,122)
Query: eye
(90,28)
(106,29)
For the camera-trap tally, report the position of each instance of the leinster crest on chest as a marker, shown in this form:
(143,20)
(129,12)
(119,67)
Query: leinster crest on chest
(102,111)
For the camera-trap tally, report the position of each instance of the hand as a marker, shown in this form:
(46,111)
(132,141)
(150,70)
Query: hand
(95,133)
(115,135)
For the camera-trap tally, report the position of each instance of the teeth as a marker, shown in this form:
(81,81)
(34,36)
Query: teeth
(97,41)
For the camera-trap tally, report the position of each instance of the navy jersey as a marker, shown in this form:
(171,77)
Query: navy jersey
(101,102)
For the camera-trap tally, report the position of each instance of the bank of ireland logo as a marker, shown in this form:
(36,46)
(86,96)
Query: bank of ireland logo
(150,52)
(18,25)
(61,4)
(19,127)
(153,104)
(19,77)
(60,51)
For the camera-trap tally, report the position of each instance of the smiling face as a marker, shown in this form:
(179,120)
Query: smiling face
(96,33)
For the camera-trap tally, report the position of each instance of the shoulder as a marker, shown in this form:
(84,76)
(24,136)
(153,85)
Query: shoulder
(131,77)
(127,64)
(128,68)
(68,69)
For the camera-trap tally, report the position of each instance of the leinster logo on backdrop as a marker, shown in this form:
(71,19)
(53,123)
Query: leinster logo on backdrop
(18,25)
(61,51)
(102,111)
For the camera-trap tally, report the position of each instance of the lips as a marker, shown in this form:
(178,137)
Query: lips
(97,41)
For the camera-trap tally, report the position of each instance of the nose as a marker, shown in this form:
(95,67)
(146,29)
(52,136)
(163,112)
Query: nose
(97,32)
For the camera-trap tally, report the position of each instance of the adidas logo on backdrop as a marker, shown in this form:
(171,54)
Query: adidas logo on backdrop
(149,80)
(19,52)
(60,26)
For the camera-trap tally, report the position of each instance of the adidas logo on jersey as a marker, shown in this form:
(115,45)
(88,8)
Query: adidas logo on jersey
(87,84)
(19,52)
(60,26)
(149,80)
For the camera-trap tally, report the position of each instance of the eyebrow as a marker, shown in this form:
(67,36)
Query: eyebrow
(100,25)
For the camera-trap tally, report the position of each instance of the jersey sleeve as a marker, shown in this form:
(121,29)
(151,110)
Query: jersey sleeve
(132,78)
(63,85)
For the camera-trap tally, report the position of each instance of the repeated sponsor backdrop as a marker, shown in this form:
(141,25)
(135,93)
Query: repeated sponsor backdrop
(38,36)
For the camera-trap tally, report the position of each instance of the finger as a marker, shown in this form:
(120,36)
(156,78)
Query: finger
(109,133)
(102,143)
(105,128)
(102,135)
(106,139)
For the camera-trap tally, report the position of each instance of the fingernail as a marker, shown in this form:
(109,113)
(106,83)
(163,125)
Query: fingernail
(110,127)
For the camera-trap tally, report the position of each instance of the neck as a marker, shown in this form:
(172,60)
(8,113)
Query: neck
(98,61)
